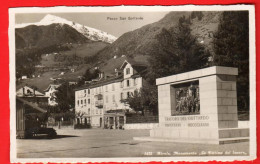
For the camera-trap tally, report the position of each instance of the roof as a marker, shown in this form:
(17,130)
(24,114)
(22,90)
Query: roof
(138,66)
(27,85)
(32,87)
(31,105)
(101,82)
(133,63)
(56,86)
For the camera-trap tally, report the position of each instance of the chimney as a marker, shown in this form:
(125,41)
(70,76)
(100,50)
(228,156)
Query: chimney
(101,75)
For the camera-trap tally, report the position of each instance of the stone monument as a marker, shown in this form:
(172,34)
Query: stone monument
(198,107)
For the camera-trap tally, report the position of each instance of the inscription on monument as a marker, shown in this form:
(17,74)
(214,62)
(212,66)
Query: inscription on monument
(173,125)
(185,118)
(176,121)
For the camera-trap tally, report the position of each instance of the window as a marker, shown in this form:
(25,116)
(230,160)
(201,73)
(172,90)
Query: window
(88,101)
(88,91)
(88,110)
(78,102)
(28,91)
(113,98)
(85,91)
(128,94)
(81,101)
(113,87)
(128,83)
(127,71)
(135,81)
(85,101)
(122,96)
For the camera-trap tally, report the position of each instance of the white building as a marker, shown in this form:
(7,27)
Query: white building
(100,102)
(50,92)
(24,77)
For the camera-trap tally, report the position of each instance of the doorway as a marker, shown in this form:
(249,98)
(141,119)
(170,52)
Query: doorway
(100,122)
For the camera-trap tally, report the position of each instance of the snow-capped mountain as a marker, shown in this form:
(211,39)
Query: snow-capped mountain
(90,33)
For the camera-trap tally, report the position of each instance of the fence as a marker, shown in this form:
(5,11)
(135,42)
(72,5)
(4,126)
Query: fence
(141,126)
(61,123)
(131,119)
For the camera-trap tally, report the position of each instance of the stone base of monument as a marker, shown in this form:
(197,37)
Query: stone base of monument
(198,107)
(223,136)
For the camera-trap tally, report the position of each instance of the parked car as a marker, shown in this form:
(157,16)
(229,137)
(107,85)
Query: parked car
(31,132)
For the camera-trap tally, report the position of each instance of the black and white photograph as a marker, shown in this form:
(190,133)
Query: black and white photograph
(132,83)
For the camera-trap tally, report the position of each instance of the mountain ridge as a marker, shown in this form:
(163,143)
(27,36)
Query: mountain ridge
(143,41)
(89,32)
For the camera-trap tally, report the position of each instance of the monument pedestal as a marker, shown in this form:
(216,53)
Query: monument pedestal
(226,136)
(198,107)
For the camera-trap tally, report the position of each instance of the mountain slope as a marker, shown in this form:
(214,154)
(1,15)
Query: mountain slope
(43,36)
(143,41)
(88,32)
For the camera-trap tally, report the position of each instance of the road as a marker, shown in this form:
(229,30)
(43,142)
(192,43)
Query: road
(98,143)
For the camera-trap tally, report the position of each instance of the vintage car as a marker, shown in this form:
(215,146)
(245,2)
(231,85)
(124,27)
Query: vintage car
(36,131)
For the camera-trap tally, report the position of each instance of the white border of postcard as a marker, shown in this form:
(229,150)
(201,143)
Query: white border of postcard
(252,65)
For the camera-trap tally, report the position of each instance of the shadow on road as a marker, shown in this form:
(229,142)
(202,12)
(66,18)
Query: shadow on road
(47,137)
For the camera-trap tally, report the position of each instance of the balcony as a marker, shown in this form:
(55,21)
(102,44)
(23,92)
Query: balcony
(99,96)
(99,103)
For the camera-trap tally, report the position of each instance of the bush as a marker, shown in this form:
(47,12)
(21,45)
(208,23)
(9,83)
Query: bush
(82,126)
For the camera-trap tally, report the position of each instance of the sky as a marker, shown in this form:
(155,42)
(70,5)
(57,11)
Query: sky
(108,22)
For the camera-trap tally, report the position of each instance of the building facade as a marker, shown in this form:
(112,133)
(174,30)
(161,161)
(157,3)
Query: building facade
(32,94)
(50,93)
(100,103)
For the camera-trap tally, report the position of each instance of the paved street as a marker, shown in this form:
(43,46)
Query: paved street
(115,143)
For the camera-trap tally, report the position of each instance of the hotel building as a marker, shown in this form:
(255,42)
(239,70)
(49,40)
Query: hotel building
(100,102)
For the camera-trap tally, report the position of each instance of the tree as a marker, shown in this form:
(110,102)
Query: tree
(146,99)
(80,114)
(231,47)
(192,54)
(178,51)
(88,76)
(65,97)
(134,101)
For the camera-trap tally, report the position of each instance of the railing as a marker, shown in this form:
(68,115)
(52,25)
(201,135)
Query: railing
(99,96)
